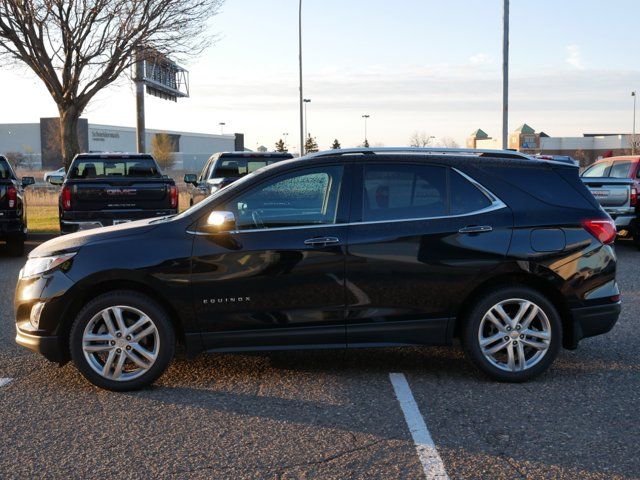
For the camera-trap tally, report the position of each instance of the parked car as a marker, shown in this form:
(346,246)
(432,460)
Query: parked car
(108,189)
(357,248)
(57,173)
(614,182)
(559,158)
(224,168)
(13,208)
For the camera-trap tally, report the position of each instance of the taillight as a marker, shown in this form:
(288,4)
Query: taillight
(12,196)
(66,198)
(634,196)
(173,193)
(603,230)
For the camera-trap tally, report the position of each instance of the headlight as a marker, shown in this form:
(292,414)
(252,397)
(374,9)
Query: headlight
(36,266)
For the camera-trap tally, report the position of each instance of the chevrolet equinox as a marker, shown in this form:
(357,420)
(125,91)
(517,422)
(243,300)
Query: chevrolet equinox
(356,248)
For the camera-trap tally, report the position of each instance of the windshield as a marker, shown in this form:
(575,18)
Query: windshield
(236,167)
(114,167)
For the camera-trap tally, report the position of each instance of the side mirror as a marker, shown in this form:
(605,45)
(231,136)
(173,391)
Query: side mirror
(191,178)
(56,179)
(28,181)
(220,222)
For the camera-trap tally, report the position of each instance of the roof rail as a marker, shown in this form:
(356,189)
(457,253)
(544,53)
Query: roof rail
(429,150)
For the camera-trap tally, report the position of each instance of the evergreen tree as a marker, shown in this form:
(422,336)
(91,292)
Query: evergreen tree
(336,145)
(311,145)
(280,146)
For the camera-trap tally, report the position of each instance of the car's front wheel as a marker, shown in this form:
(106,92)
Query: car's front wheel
(122,341)
(512,334)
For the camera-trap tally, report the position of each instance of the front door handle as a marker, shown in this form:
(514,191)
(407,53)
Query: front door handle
(476,229)
(321,241)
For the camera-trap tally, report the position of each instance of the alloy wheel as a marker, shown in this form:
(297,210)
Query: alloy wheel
(514,334)
(121,343)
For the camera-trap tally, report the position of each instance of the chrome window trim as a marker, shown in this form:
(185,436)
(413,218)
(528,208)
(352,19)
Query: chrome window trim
(496,204)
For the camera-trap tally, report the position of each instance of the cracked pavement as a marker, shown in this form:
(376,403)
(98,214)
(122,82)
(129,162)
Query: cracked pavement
(327,414)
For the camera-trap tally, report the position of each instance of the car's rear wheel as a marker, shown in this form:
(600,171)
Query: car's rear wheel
(122,341)
(512,334)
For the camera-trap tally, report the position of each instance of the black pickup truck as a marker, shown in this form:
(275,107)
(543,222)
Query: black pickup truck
(13,208)
(108,189)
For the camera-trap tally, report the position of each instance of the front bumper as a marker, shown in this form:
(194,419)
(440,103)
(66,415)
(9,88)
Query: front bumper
(49,346)
(591,321)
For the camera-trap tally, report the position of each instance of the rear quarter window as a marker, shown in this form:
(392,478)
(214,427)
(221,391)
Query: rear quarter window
(466,197)
(5,170)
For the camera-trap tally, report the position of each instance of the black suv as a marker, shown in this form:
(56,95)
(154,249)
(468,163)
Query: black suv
(13,208)
(361,248)
(224,168)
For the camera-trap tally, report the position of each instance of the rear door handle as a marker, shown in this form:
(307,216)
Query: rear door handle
(322,241)
(476,229)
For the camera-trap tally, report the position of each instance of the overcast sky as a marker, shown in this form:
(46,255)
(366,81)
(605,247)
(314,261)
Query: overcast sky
(413,65)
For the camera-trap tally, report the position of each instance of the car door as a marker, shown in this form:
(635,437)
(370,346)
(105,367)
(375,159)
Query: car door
(277,279)
(420,236)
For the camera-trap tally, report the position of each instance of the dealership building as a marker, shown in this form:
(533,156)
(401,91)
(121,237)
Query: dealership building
(587,149)
(39,142)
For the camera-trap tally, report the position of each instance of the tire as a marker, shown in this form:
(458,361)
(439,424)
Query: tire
(15,246)
(539,353)
(93,343)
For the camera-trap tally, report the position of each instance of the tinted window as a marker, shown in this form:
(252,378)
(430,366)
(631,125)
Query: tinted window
(302,198)
(235,167)
(465,197)
(393,192)
(597,170)
(5,171)
(620,170)
(88,168)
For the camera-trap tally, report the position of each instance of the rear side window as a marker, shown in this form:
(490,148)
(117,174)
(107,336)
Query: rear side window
(397,192)
(5,171)
(465,196)
(620,170)
(597,170)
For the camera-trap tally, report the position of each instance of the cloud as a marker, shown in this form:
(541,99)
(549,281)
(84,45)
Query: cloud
(480,58)
(574,56)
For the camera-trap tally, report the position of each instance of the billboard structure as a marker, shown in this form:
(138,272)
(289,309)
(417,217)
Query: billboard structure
(162,78)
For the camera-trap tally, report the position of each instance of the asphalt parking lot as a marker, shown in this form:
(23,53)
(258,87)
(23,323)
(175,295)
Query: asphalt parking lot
(327,414)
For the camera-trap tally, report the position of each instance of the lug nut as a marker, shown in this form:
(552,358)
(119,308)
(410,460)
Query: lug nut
(112,343)
(128,338)
(118,334)
(521,336)
(509,329)
(118,350)
(518,327)
(515,342)
(506,339)
(128,347)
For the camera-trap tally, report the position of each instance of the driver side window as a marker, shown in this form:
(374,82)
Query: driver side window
(301,198)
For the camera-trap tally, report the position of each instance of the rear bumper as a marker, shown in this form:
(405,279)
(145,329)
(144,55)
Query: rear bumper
(76,221)
(623,222)
(48,346)
(592,321)
(12,226)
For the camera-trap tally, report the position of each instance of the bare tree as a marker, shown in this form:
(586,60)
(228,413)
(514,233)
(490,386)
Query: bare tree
(448,142)
(79,47)
(17,159)
(163,149)
(420,139)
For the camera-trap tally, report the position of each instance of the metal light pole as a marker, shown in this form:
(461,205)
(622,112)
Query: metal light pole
(505,76)
(140,119)
(301,91)
(305,101)
(366,117)
(222,124)
(285,135)
(633,136)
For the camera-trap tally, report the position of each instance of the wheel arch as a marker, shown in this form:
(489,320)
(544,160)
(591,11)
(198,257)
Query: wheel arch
(524,279)
(86,293)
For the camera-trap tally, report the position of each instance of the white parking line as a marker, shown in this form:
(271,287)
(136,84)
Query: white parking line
(427,453)
(5,381)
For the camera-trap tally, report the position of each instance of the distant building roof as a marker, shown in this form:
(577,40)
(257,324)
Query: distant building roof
(543,134)
(480,134)
(524,128)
